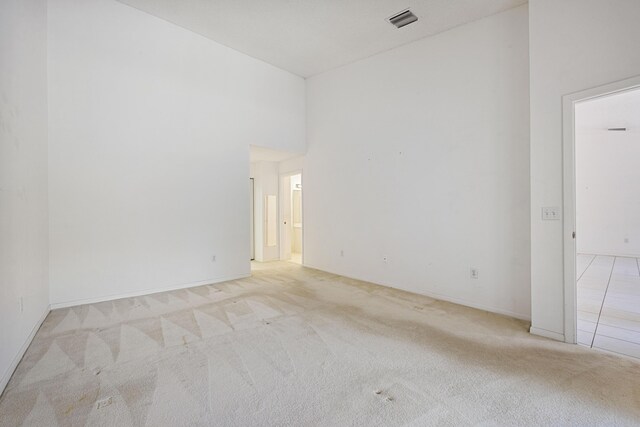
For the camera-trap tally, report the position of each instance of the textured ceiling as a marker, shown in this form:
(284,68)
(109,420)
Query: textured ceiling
(307,37)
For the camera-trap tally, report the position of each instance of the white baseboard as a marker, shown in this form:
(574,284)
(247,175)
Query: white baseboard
(66,304)
(16,360)
(437,296)
(547,334)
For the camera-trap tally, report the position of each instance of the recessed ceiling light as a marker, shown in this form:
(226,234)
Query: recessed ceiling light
(403,18)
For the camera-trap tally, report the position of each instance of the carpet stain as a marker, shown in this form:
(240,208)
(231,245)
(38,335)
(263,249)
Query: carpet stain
(281,347)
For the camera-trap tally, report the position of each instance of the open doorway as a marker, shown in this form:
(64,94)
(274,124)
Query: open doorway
(602,218)
(252,219)
(291,227)
(275,193)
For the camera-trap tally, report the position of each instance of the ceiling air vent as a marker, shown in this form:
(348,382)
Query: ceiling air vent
(403,18)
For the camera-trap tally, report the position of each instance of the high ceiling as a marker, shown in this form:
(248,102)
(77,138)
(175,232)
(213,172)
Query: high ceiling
(307,37)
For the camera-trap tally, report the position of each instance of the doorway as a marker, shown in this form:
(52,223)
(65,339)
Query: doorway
(291,214)
(602,217)
(267,170)
(252,218)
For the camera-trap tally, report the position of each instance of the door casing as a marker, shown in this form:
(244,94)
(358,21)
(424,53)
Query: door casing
(569,194)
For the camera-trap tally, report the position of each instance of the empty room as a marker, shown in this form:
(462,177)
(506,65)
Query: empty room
(319,213)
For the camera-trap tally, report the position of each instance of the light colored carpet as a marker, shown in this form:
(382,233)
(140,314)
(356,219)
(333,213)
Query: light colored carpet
(299,347)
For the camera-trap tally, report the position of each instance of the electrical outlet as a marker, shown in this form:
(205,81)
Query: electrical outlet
(341,252)
(213,258)
(474,272)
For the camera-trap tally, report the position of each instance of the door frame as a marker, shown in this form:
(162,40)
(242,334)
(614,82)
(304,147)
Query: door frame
(252,221)
(569,194)
(281,179)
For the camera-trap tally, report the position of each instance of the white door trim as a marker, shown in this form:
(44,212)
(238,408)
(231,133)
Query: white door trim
(569,194)
(252,220)
(280,209)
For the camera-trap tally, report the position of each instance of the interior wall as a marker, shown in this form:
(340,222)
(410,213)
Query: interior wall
(417,166)
(292,166)
(574,45)
(265,175)
(296,213)
(150,127)
(607,181)
(24,293)
(295,164)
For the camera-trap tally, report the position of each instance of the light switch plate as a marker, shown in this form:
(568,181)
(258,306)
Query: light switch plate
(551,213)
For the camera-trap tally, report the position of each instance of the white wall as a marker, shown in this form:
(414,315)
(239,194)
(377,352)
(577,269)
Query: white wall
(608,177)
(296,212)
(420,155)
(23,177)
(287,167)
(150,127)
(265,175)
(295,164)
(574,45)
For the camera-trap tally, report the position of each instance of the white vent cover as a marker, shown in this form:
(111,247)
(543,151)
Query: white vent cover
(403,18)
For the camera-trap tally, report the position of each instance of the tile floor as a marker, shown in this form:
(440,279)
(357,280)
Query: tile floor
(609,303)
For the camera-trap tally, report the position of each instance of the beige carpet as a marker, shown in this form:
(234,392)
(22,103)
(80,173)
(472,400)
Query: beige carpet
(298,347)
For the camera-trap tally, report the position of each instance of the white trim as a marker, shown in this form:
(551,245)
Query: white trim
(281,176)
(547,334)
(437,296)
(568,225)
(112,297)
(16,360)
(302,216)
(569,196)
